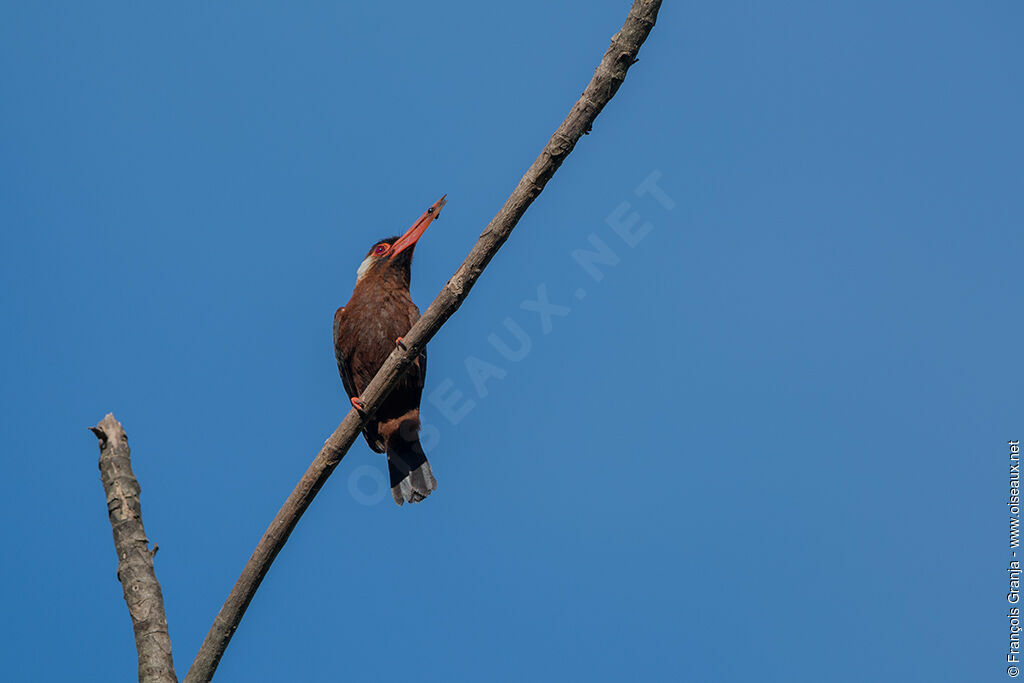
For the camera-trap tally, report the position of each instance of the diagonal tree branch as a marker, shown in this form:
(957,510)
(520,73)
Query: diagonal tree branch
(602,87)
(134,558)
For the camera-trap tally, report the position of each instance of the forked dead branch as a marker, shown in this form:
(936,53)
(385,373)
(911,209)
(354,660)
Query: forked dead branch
(154,646)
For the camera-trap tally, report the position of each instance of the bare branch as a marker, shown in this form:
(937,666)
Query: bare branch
(134,558)
(606,81)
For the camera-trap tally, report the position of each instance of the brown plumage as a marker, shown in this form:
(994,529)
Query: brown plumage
(366,330)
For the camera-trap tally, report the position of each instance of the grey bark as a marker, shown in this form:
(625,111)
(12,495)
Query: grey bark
(609,75)
(134,558)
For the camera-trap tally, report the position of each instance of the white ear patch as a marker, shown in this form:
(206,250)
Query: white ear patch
(363,267)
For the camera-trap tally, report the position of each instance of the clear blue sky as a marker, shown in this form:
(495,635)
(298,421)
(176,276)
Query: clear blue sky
(768,445)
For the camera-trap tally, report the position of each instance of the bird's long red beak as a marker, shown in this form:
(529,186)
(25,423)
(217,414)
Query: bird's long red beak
(413,234)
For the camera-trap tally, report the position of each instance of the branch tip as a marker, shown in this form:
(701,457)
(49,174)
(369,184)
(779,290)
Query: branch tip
(141,589)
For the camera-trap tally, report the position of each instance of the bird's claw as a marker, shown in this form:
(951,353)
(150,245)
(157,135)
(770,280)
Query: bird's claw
(400,343)
(358,405)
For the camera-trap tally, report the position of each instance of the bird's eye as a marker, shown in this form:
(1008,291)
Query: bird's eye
(381,248)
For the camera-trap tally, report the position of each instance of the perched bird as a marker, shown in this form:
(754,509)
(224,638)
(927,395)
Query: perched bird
(366,330)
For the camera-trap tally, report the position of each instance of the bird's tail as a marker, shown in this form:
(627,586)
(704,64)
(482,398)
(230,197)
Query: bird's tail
(411,477)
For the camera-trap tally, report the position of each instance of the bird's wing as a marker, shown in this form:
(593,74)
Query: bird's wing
(344,369)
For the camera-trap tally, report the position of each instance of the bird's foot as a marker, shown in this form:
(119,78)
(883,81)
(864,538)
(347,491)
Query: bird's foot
(358,405)
(400,343)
